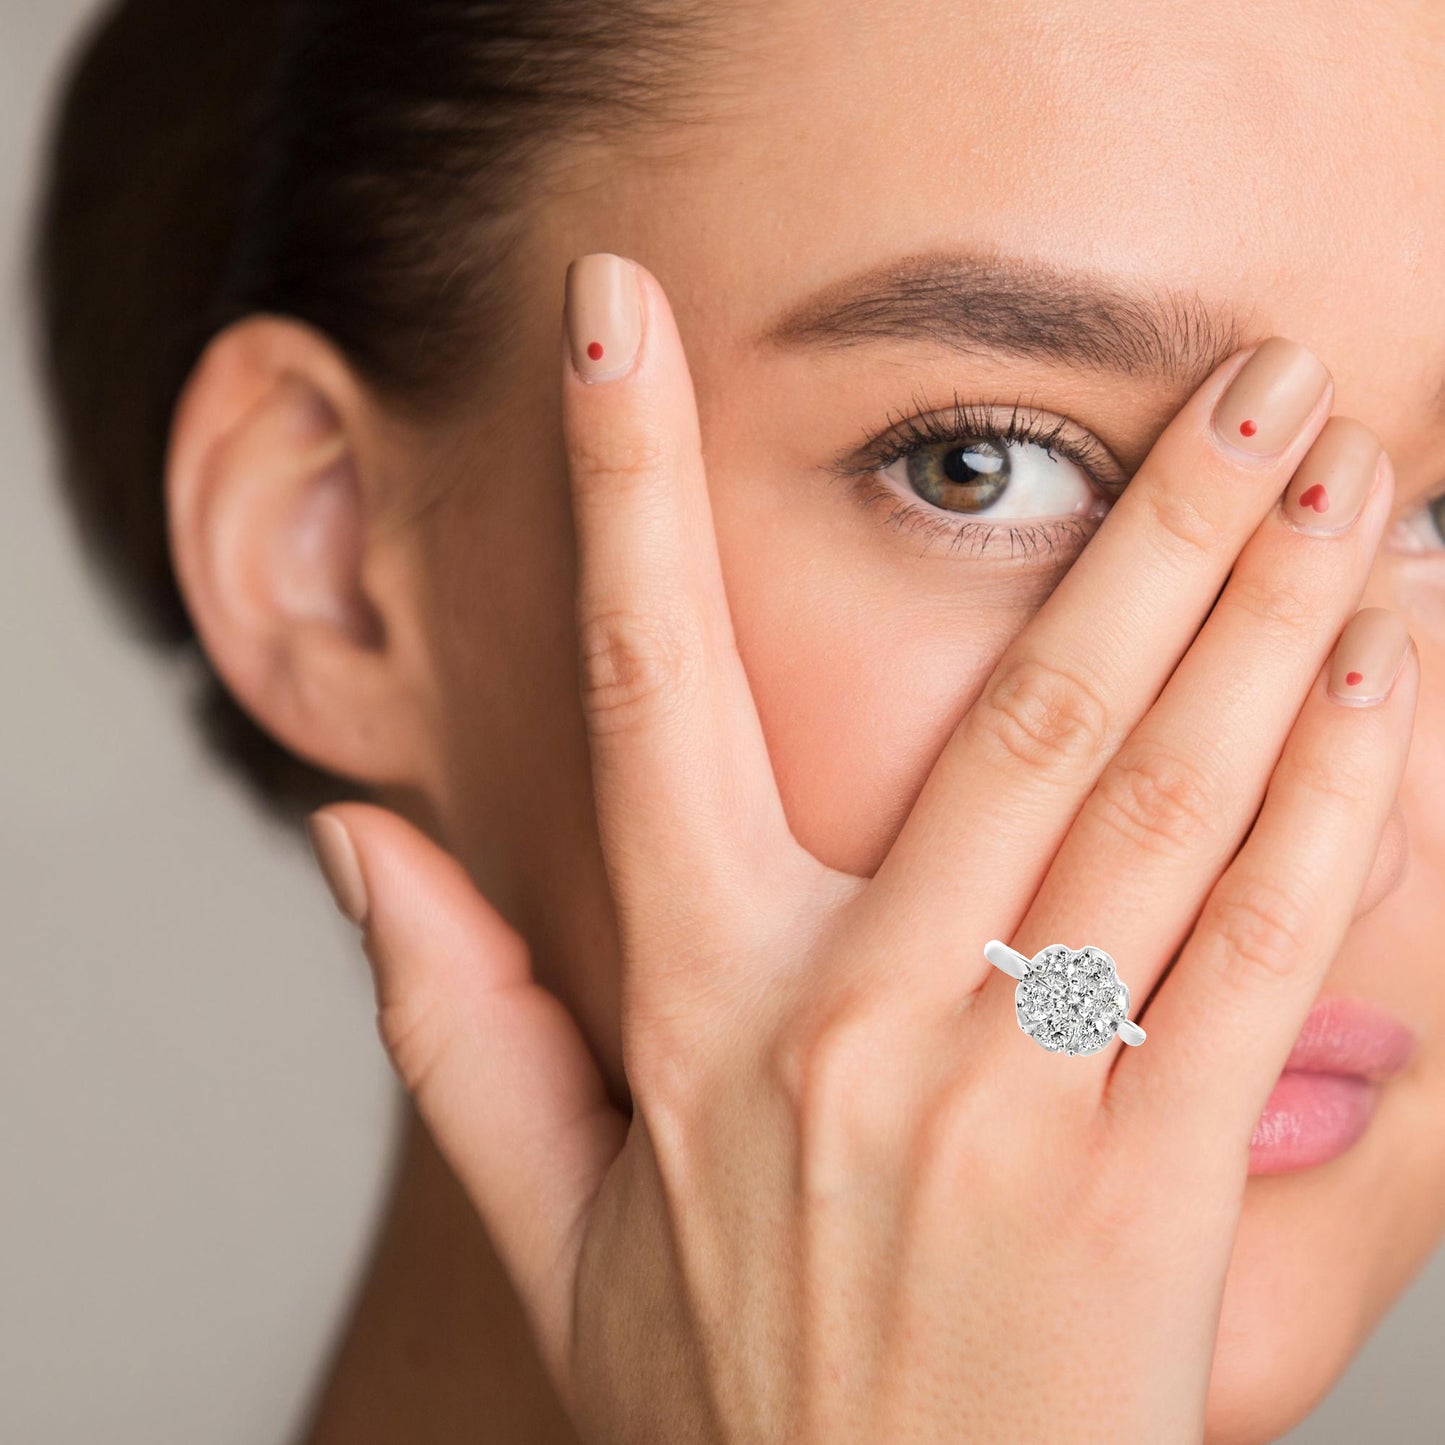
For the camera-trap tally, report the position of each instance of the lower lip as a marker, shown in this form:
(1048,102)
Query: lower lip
(1310,1119)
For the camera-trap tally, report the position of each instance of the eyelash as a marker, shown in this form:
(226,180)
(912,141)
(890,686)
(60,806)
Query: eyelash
(958,422)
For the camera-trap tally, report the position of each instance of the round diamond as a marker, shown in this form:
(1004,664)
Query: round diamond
(1071,1001)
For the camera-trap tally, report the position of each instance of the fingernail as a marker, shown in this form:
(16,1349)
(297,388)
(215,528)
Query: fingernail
(604,315)
(1329,486)
(336,855)
(1368,656)
(1267,402)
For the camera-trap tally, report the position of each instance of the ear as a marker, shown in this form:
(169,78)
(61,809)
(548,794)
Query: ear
(274,492)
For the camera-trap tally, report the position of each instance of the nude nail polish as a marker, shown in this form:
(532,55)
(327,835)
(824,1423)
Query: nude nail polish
(604,315)
(336,855)
(1270,397)
(1329,487)
(1368,656)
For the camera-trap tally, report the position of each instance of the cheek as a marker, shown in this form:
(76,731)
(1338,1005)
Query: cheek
(1417,587)
(1415,912)
(1318,1257)
(1283,1332)
(862,653)
(858,690)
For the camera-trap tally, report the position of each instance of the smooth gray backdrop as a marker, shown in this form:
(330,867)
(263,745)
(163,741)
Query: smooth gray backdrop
(196,1121)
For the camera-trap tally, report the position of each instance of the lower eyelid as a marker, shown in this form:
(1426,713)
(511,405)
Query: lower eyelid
(1051,538)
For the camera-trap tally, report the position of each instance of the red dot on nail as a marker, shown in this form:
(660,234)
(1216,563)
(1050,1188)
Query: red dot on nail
(1247,428)
(1354,679)
(595,351)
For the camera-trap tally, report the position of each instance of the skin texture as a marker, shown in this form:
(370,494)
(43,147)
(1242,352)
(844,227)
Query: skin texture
(396,603)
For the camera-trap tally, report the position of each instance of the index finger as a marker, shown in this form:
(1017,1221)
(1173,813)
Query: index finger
(689,815)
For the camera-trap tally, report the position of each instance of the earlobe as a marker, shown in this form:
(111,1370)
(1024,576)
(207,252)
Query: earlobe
(270,537)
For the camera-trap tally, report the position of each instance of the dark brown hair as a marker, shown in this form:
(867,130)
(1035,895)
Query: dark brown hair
(367,166)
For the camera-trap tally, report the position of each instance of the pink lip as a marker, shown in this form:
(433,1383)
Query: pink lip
(1327,1093)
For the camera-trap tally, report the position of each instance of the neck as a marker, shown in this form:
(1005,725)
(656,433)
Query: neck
(437,1350)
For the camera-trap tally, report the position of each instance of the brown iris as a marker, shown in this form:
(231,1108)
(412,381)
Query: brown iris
(967,477)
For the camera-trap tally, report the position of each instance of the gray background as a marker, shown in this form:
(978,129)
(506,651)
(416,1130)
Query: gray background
(196,1121)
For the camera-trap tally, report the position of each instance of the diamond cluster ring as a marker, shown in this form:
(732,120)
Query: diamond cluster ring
(1069,1000)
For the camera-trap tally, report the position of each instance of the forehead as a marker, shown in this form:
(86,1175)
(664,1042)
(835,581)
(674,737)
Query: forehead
(1285,159)
(1123,128)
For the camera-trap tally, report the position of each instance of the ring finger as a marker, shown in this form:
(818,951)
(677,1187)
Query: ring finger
(1170,809)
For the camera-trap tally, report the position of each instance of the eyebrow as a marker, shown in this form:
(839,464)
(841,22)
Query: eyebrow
(1022,307)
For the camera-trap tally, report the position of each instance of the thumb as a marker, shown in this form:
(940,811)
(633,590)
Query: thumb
(500,1073)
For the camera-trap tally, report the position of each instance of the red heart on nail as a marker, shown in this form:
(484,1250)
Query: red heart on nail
(1315,497)
(1354,679)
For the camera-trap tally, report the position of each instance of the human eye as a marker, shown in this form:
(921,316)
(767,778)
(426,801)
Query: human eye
(968,475)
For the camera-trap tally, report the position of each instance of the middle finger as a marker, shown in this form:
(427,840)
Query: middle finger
(1075,681)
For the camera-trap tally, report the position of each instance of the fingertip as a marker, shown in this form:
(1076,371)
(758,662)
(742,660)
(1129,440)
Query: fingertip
(336,856)
(421,902)
(605,308)
(352,842)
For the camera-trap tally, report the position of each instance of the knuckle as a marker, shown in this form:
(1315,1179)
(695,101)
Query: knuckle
(1275,603)
(666,1079)
(963,1143)
(805,1059)
(617,463)
(631,662)
(1042,715)
(957,1133)
(827,1068)
(1116,1201)
(682,1046)
(1151,794)
(1329,772)
(1259,928)
(1181,522)
(413,1033)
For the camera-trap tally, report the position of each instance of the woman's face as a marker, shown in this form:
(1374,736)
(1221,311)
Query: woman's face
(1191,178)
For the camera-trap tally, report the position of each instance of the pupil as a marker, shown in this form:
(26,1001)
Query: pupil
(979,461)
